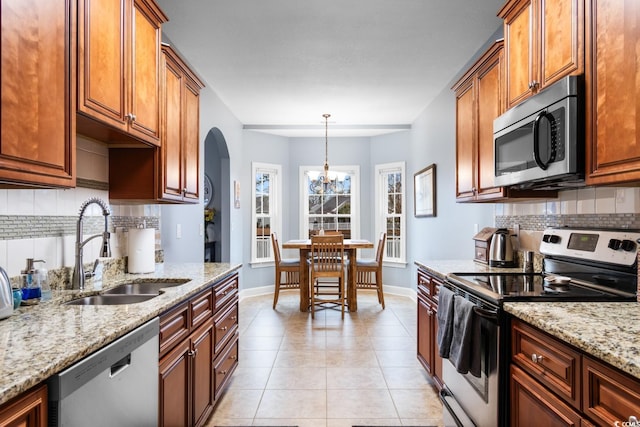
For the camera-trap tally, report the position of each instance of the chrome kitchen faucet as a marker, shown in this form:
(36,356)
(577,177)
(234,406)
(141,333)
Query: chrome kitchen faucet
(79,274)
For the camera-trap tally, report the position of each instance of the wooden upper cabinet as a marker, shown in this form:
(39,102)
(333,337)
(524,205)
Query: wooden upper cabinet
(479,100)
(169,173)
(613,92)
(180,129)
(38,145)
(119,70)
(544,41)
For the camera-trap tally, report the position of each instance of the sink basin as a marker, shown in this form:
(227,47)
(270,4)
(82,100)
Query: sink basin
(110,299)
(141,288)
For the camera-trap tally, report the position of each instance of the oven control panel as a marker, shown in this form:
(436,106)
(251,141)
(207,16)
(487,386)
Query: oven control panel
(613,246)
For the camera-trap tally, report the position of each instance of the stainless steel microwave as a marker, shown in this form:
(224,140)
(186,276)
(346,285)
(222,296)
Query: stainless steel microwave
(539,143)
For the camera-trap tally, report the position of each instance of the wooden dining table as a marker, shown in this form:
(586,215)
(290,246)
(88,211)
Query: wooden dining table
(350,247)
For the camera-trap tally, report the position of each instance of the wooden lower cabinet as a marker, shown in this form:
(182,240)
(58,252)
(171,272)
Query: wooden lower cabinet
(198,353)
(427,325)
(28,410)
(554,384)
(533,405)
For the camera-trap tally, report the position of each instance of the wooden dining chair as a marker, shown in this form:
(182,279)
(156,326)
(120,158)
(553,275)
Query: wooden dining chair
(327,266)
(369,271)
(289,268)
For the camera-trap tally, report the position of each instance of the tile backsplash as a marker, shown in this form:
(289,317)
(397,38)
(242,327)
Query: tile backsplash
(601,207)
(41,223)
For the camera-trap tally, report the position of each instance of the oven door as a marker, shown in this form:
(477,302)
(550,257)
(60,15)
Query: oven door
(469,400)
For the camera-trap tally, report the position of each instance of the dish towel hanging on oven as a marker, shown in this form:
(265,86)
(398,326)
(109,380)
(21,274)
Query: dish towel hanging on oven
(464,353)
(445,321)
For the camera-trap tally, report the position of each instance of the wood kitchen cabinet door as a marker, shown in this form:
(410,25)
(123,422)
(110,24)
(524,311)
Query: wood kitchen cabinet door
(544,41)
(174,386)
(27,410)
(479,100)
(38,146)
(119,70)
(613,92)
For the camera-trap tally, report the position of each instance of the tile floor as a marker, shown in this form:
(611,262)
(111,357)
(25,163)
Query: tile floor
(328,372)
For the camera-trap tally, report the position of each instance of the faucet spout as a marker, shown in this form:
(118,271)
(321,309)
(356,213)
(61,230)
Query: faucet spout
(79,275)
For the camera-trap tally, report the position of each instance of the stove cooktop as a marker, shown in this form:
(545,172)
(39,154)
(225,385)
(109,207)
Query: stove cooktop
(500,287)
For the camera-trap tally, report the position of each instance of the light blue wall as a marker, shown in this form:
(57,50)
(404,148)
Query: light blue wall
(431,140)
(190,248)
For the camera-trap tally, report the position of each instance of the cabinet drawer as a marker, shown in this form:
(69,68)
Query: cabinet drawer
(201,308)
(609,396)
(174,327)
(424,284)
(548,360)
(225,292)
(225,326)
(224,365)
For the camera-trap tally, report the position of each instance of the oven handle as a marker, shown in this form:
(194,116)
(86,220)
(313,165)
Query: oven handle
(536,141)
(487,314)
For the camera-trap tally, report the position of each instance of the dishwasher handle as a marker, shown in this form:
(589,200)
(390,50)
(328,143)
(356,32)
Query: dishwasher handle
(120,366)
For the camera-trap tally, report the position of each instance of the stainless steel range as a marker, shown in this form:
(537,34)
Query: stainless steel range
(579,265)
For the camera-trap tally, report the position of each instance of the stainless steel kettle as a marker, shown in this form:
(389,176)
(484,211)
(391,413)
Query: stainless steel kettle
(6,295)
(501,251)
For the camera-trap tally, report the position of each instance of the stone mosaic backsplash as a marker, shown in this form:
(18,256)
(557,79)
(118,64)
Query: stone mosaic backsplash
(34,226)
(540,222)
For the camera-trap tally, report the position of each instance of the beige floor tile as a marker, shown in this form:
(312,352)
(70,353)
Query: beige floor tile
(238,404)
(424,404)
(293,404)
(355,378)
(298,378)
(348,342)
(301,359)
(393,343)
(249,378)
(397,358)
(360,404)
(407,378)
(300,343)
(259,343)
(257,358)
(296,364)
(351,358)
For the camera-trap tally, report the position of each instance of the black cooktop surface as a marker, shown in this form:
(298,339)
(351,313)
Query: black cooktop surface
(500,287)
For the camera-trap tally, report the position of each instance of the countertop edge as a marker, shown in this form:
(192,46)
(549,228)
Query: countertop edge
(19,379)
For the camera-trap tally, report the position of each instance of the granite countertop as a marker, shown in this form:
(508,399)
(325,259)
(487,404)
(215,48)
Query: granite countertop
(607,331)
(41,340)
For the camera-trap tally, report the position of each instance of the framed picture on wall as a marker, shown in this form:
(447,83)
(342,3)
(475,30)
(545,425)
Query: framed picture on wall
(424,192)
(236,194)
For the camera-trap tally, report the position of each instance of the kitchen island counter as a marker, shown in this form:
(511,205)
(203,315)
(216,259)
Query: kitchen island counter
(39,341)
(607,331)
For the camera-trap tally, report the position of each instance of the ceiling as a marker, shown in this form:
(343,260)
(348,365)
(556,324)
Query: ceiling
(374,65)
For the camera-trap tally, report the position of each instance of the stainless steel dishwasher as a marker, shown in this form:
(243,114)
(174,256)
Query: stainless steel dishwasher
(115,386)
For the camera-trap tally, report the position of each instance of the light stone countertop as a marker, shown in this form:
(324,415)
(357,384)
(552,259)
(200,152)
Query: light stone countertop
(39,341)
(608,331)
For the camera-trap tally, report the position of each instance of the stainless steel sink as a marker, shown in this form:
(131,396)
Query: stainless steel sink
(110,299)
(141,288)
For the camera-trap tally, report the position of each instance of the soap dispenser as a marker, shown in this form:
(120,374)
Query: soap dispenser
(31,292)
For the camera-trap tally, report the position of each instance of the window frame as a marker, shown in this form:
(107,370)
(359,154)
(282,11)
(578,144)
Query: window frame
(381,199)
(275,208)
(354,171)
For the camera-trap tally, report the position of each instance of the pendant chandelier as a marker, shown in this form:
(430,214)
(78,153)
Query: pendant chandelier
(326,179)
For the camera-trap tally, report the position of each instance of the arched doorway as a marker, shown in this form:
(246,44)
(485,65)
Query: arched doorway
(216,169)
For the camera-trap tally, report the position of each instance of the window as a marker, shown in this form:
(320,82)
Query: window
(332,206)
(265,210)
(390,209)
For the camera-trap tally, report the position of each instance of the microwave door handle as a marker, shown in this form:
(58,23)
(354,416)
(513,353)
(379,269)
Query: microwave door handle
(536,141)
